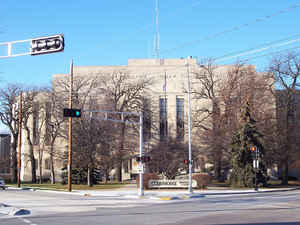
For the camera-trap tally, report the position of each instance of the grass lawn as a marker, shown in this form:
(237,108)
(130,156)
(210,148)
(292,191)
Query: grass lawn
(271,184)
(61,187)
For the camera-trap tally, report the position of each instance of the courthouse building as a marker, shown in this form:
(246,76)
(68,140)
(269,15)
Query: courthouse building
(168,92)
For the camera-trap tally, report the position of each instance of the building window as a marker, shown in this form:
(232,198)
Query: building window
(147,119)
(35,124)
(130,164)
(179,118)
(47,122)
(126,169)
(36,164)
(47,164)
(163,119)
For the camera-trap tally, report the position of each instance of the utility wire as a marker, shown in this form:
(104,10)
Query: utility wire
(232,29)
(271,53)
(258,49)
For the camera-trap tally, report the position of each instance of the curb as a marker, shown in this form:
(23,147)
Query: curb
(184,197)
(158,195)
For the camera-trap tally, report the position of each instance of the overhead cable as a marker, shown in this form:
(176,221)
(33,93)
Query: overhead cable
(232,29)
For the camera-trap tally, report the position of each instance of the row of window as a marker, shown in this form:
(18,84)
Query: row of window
(163,118)
(46,165)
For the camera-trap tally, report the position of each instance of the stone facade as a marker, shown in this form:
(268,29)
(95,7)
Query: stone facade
(170,81)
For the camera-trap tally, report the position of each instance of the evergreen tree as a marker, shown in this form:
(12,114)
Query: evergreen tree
(241,161)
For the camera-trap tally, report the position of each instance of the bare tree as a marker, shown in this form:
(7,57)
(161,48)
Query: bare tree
(286,71)
(167,158)
(207,90)
(9,117)
(54,124)
(89,134)
(225,91)
(31,120)
(126,95)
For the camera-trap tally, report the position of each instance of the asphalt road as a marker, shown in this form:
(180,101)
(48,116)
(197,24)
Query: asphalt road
(276,208)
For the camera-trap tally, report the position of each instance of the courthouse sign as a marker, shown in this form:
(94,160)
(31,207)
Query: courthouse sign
(171,183)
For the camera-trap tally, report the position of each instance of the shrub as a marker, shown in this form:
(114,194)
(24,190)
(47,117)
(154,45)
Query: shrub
(203,180)
(146,178)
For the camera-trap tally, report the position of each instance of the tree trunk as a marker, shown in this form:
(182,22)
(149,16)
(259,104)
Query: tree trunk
(31,155)
(285,172)
(120,154)
(217,149)
(89,177)
(13,160)
(33,166)
(119,171)
(217,169)
(52,163)
(40,168)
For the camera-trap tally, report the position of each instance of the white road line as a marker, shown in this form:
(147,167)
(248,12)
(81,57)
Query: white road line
(26,221)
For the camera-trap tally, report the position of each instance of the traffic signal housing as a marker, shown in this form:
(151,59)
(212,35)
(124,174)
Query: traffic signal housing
(186,161)
(138,158)
(72,112)
(143,158)
(253,148)
(45,45)
(146,158)
(254,152)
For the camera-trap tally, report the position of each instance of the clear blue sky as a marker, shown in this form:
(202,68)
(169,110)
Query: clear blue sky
(109,32)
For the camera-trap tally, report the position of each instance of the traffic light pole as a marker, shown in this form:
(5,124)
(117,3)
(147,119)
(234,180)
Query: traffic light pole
(256,168)
(70,132)
(20,140)
(255,155)
(9,45)
(141,189)
(189,130)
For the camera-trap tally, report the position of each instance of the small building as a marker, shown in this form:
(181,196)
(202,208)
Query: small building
(5,140)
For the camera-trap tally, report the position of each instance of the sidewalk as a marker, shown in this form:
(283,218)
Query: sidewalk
(131,191)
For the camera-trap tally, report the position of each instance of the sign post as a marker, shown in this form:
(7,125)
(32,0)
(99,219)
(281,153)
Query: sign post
(255,156)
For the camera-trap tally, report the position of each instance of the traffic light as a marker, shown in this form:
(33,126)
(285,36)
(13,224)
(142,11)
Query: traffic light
(72,112)
(186,161)
(143,158)
(253,150)
(138,158)
(146,158)
(45,45)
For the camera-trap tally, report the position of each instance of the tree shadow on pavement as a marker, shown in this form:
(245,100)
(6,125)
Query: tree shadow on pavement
(277,223)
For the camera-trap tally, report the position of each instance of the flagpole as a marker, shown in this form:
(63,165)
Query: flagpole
(165,90)
(189,128)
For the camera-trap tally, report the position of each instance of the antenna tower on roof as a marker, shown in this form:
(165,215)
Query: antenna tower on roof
(157,31)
